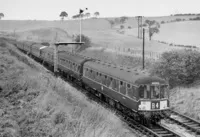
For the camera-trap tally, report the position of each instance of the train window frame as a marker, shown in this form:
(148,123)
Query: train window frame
(128,85)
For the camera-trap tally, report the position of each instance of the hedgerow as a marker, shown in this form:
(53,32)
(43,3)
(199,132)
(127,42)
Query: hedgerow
(180,67)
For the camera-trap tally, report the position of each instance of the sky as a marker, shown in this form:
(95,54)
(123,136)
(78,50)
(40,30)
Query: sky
(51,9)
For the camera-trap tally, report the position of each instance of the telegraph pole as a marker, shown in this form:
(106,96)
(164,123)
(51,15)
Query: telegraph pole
(139,23)
(143,62)
(138,27)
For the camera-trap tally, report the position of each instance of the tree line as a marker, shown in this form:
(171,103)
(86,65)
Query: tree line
(64,14)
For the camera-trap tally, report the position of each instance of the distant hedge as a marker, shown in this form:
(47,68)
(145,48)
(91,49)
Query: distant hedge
(181,67)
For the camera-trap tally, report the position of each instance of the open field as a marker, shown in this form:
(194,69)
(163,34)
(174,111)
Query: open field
(186,33)
(35,103)
(99,30)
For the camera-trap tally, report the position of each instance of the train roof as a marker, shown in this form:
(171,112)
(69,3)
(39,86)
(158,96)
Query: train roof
(49,49)
(70,56)
(39,46)
(150,80)
(28,43)
(124,74)
(112,70)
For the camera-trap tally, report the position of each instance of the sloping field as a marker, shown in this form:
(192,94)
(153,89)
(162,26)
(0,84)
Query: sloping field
(72,25)
(186,33)
(34,103)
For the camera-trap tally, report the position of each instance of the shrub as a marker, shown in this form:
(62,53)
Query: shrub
(181,67)
(162,22)
(178,19)
(85,39)
(129,27)
(121,26)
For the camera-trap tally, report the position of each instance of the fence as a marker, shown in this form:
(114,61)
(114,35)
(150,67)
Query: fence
(135,52)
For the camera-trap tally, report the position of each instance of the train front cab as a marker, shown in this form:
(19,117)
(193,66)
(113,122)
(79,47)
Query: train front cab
(153,100)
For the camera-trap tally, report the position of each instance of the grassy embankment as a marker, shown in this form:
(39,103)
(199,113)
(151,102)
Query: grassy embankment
(34,103)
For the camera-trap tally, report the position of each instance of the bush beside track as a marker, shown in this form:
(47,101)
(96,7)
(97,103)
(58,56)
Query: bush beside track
(34,103)
(180,67)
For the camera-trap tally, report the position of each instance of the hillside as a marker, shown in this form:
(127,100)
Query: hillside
(35,103)
(186,33)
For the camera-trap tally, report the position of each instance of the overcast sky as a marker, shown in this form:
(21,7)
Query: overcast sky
(50,9)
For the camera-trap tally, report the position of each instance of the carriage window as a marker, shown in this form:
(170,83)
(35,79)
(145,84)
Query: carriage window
(141,91)
(100,78)
(155,92)
(114,84)
(93,75)
(129,91)
(147,92)
(79,68)
(108,81)
(110,84)
(163,91)
(122,87)
(134,89)
(117,85)
(103,78)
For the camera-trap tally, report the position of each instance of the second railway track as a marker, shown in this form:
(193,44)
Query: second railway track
(190,124)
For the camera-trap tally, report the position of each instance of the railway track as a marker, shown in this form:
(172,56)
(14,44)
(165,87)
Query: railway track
(190,124)
(155,131)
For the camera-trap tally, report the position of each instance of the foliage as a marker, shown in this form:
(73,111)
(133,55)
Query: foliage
(162,22)
(87,15)
(96,14)
(153,27)
(186,14)
(1,15)
(197,18)
(112,23)
(76,16)
(181,67)
(121,26)
(35,104)
(63,14)
(85,39)
(117,20)
(129,27)
(123,19)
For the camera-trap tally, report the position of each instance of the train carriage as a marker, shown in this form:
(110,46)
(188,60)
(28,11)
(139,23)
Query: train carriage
(28,46)
(36,50)
(47,55)
(71,64)
(114,82)
(146,95)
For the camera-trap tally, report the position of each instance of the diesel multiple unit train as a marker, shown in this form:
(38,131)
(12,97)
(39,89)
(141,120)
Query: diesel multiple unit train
(145,97)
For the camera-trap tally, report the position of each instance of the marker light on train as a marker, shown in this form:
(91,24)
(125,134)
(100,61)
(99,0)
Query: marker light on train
(144,105)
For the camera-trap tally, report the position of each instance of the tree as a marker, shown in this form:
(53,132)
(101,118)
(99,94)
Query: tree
(63,14)
(180,67)
(1,15)
(111,23)
(85,39)
(96,14)
(87,15)
(121,26)
(153,27)
(123,19)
